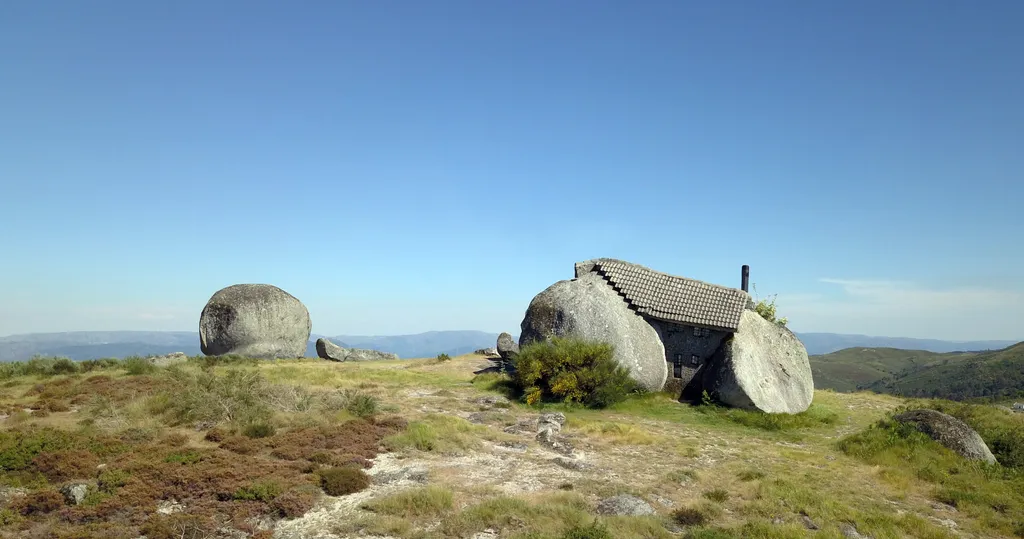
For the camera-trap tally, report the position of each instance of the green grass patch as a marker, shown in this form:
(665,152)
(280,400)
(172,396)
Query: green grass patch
(991,493)
(437,432)
(261,491)
(550,515)
(420,502)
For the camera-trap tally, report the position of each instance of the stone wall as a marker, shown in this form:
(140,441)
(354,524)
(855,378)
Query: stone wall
(682,344)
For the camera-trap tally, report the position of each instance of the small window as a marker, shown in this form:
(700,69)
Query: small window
(694,360)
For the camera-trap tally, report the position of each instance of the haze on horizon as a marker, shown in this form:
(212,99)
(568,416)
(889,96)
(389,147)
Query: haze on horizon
(407,168)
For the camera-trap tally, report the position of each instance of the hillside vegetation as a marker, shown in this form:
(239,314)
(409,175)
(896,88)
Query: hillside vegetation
(425,448)
(992,375)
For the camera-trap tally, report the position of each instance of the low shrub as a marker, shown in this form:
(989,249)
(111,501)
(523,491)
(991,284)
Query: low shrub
(19,447)
(766,308)
(261,491)
(572,371)
(717,495)
(137,366)
(592,531)
(111,480)
(259,429)
(39,502)
(59,466)
(362,405)
(294,503)
(236,396)
(343,480)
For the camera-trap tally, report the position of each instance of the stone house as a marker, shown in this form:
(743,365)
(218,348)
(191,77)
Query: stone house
(692,318)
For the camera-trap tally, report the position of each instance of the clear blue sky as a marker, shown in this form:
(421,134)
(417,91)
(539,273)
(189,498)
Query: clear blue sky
(402,166)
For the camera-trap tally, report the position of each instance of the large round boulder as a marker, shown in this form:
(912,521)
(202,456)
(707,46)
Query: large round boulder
(254,320)
(950,432)
(588,308)
(763,366)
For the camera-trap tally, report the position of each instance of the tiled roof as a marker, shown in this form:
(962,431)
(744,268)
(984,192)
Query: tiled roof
(670,298)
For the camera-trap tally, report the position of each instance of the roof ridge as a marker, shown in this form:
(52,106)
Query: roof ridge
(669,297)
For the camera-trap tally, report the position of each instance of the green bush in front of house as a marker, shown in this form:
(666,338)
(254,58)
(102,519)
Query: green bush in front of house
(571,371)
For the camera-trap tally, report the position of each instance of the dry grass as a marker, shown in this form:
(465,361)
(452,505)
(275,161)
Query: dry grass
(707,472)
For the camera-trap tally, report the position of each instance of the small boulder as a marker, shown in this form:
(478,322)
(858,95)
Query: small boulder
(332,352)
(763,366)
(624,505)
(74,493)
(506,347)
(254,320)
(851,532)
(486,352)
(588,308)
(950,432)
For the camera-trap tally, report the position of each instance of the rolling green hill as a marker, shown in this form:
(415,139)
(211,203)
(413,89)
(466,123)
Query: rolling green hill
(991,375)
(855,368)
(997,374)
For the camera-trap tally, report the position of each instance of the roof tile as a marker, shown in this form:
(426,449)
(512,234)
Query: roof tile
(673,299)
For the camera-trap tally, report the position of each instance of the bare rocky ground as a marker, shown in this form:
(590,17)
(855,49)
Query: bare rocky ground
(648,468)
(666,462)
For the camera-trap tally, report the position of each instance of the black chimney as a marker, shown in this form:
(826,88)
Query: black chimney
(745,278)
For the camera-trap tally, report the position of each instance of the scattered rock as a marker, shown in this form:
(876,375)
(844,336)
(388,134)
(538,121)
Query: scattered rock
(943,507)
(524,426)
(494,400)
(506,347)
(169,507)
(325,349)
(662,500)
(850,532)
(74,493)
(416,475)
(551,420)
(571,463)
(549,438)
(518,447)
(777,520)
(168,359)
(950,432)
(587,308)
(486,534)
(487,352)
(808,523)
(254,320)
(945,522)
(764,366)
(624,505)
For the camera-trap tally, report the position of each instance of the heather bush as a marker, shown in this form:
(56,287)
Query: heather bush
(343,480)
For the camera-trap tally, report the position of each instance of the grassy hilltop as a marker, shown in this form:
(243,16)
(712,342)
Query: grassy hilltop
(285,448)
(994,375)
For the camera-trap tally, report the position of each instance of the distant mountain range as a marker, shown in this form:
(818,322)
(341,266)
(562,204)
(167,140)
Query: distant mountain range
(824,343)
(97,344)
(81,345)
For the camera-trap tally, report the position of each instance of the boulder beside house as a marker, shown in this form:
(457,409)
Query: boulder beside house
(680,335)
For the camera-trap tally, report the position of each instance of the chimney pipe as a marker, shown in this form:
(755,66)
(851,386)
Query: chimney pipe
(745,278)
